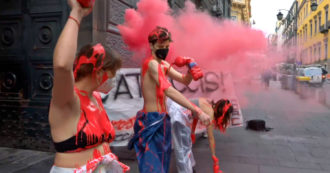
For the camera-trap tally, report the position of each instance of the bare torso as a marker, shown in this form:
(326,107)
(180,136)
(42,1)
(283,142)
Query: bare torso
(78,159)
(149,92)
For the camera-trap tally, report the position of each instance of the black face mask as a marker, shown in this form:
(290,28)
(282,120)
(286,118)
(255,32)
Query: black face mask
(162,53)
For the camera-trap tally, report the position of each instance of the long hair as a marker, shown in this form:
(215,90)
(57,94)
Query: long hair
(223,110)
(112,61)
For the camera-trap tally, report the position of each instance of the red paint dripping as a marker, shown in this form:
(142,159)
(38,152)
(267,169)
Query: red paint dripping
(160,88)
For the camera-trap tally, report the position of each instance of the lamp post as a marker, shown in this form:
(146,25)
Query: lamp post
(314,6)
(279,15)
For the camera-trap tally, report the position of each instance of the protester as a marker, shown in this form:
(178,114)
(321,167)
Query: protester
(152,128)
(184,125)
(80,128)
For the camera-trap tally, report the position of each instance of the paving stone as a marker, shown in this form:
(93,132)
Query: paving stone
(301,165)
(260,161)
(271,169)
(237,168)
(325,167)
(299,142)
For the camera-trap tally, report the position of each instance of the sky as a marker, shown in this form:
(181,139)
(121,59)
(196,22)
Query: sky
(264,13)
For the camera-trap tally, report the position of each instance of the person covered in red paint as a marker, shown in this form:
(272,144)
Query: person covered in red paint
(152,128)
(80,128)
(183,130)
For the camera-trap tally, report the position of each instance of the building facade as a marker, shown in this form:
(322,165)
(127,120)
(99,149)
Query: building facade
(313,33)
(289,34)
(241,11)
(217,8)
(279,32)
(29,30)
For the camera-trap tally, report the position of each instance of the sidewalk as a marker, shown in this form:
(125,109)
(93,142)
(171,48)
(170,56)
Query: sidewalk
(299,142)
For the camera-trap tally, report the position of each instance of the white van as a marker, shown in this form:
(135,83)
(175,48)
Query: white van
(315,74)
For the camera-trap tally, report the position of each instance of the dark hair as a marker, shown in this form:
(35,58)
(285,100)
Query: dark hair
(222,112)
(159,34)
(112,61)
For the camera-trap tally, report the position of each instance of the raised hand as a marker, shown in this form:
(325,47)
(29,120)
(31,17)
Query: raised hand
(194,70)
(86,3)
(77,11)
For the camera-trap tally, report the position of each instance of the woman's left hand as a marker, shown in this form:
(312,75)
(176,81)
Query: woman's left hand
(77,11)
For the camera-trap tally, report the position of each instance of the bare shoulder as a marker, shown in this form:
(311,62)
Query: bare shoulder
(166,64)
(153,64)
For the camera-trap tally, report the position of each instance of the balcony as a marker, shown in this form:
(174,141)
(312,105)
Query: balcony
(324,29)
(239,3)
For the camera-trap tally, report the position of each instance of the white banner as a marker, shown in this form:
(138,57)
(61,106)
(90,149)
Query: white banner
(125,100)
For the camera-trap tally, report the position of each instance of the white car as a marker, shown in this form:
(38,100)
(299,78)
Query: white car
(315,74)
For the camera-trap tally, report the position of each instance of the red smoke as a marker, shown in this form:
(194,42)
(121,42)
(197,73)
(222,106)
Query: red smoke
(195,34)
(215,45)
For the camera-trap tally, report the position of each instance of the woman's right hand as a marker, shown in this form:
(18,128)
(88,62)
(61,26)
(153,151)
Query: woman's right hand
(77,11)
(202,116)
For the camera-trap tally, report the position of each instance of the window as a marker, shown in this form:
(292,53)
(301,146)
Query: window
(310,54)
(320,20)
(311,28)
(315,25)
(326,49)
(306,32)
(315,54)
(319,52)
(326,14)
(307,8)
(234,18)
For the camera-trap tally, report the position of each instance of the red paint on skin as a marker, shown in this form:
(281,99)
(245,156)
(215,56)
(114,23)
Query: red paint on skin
(94,122)
(106,149)
(160,88)
(98,52)
(96,154)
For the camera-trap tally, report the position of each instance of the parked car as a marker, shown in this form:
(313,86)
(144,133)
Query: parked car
(315,74)
(300,75)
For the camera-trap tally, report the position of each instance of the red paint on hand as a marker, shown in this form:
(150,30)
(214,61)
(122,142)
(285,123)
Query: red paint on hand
(86,3)
(181,61)
(194,70)
(196,73)
(216,167)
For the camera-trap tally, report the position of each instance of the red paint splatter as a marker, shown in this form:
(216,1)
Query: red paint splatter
(94,125)
(163,84)
(106,149)
(96,154)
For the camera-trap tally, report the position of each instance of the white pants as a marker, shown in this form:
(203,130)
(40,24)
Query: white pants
(182,144)
(104,164)
(55,169)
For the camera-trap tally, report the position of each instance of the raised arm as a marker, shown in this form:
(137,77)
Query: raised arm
(64,55)
(175,75)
